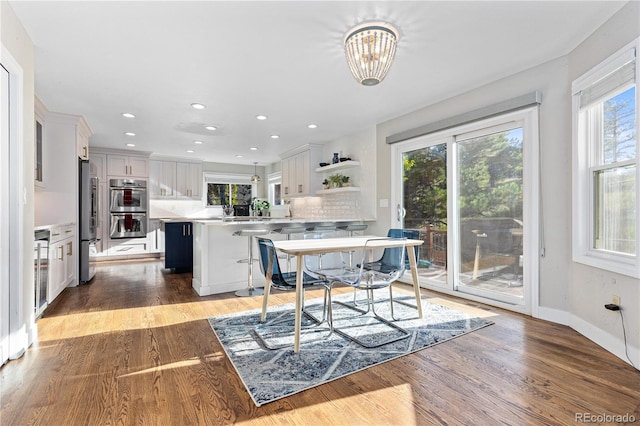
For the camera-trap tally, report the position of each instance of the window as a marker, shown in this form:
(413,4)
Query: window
(223,189)
(275,185)
(605,140)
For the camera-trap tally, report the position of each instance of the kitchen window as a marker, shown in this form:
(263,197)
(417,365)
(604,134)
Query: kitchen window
(606,165)
(228,189)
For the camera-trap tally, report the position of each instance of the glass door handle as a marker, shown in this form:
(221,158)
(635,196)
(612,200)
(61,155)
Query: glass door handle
(401,212)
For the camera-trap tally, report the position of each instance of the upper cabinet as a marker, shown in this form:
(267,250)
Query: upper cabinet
(127,165)
(162,179)
(188,180)
(175,179)
(297,168)
(82,139)
(38,149)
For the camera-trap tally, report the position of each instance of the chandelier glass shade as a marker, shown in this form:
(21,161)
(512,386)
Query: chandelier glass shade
(370,49)
(255,178)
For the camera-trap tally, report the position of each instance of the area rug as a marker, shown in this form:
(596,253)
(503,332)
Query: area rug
(270,375)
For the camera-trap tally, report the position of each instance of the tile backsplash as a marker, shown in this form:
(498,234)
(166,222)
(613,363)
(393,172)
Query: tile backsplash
(334,206)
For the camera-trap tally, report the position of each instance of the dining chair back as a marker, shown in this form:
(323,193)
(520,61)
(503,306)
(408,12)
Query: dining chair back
(337,271)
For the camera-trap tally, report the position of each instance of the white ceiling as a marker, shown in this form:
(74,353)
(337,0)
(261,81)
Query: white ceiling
(281,59)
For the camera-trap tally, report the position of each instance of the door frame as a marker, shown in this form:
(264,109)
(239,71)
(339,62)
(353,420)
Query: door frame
(21,324)
(531,215)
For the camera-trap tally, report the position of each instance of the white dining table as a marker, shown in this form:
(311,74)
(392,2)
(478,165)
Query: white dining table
(304,247)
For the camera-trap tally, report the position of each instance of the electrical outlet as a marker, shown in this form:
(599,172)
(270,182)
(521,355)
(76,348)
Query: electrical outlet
(615,299)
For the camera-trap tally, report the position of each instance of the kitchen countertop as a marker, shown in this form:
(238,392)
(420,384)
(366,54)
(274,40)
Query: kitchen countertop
(55,225)
(253,220)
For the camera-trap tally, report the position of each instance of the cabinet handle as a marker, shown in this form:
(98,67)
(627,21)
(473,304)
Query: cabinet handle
(286,190)
(70,250)
(183,233)
(300,189)
(68,231)
(61,255)
(84,149)
(55,234)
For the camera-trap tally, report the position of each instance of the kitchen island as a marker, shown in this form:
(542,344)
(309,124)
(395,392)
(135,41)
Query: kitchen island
(216,251)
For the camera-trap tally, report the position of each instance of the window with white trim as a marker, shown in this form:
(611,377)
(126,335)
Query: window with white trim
(223,189)
(605,203)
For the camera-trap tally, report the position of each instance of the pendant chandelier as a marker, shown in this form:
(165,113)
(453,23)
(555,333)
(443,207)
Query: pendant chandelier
(370,48)
(255,178)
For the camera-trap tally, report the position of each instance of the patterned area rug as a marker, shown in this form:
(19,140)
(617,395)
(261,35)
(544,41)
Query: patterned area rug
(271,374)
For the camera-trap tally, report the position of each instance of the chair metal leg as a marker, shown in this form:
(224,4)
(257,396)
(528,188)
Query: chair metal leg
(371,307)
(326,315)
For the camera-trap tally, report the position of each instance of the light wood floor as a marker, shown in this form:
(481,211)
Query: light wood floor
(134,347)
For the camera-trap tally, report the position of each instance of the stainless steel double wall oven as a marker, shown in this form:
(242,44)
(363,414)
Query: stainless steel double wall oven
(128,202)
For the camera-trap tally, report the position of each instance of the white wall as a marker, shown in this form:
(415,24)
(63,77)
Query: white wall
(16,41)
(569,293)
(591,288)
(555,143)
(360,146)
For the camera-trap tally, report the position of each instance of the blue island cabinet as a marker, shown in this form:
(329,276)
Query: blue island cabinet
(178,252)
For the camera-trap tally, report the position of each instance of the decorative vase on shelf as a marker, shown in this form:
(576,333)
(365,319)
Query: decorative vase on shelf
(335,159)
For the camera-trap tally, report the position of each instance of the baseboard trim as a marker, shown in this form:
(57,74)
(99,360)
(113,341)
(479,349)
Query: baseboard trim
(607,341)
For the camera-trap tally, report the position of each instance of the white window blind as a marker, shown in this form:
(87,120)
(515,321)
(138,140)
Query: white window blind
(598,91)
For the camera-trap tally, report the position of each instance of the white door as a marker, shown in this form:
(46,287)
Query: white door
(4,216)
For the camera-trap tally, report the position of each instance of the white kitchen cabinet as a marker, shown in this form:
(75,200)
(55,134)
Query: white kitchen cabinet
(127,166)
(155,236)
(125,247)
(62,260)
(162,179)
(82,139)
(188,180)
(175,179)
(297,167)
(38,149)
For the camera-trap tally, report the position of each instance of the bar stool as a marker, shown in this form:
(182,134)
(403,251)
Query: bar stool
(322,231)
(250,233)
(288,231)
(351,228)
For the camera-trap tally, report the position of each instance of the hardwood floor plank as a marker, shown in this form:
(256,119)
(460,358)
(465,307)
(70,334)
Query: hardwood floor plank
(134,347)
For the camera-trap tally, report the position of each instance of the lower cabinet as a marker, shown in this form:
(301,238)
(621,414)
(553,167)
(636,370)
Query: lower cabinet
(62,260)
(178,242)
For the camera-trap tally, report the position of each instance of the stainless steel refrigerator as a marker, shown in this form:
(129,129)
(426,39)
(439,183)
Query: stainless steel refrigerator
(88,220)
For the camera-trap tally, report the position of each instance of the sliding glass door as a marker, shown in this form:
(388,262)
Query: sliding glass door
(470,191)
(489,207)
(424,206)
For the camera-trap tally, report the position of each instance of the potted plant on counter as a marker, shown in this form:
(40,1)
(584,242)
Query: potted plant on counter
(345,181)
(325,184)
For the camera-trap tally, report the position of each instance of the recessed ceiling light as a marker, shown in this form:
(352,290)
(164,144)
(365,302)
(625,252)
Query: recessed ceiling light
(190,151)
(312,126)
(211,127)
(275,136)
(196,105)
(239,156)
(131,144)
(253,148)
(198,142)
(261,117)
(128,115)
(130,134)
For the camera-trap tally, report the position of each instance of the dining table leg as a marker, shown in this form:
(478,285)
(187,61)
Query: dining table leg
(265,298)
(414,275)
(299,301)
